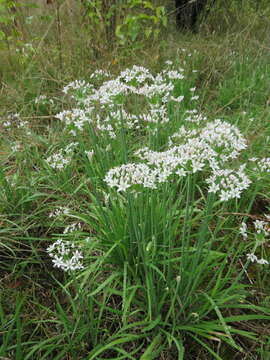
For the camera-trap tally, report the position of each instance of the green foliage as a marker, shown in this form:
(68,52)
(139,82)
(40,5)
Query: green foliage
(130,20)
(6,16)
(142,25)
(9,13)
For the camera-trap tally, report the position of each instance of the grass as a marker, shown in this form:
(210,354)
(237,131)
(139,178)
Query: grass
(165,272)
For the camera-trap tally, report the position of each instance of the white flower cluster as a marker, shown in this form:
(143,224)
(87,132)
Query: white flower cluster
(243,230)
(261,227)
(209,147)
(123,118)
(178,99)
(106,126)
(264,164)
(159,88)
(108,93)
(6,124)
(40,99)
(22,124)
(229,183)
(15,121)
(16,147)
(253,258)
(58,160)
(43,100)
(173,74)
(137,81)
(157,114)
(62,210)
(182,135)
(99,73)
(66,255)
(62,158)
(191,156)
(195,117)
(124,176)
(191,149)
(75,117)
(224,138)
(136,75)
(72,228)
(76,85)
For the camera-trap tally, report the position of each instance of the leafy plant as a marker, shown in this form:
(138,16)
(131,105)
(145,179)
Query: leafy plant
(128,20)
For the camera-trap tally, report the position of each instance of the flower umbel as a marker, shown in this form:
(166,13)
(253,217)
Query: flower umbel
(65,255)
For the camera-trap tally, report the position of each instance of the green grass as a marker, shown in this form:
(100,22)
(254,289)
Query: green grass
(165,270)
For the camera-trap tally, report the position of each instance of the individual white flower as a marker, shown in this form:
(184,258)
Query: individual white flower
(106,198)
(89,154)
(66,255)
(22,123)
(243,230)
(261,228)
(263,262)
(73,132)
(178,99)
(16,147)
(62,210)
(253,258)
(76,85)
(40,99)
(6,124)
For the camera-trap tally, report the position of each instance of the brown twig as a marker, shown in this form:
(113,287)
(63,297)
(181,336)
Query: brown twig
(245,271)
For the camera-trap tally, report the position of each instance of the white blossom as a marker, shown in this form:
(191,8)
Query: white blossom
(62,210)
(253,258)
(72,228)
(124,176)
(62,158)
(229,183)
(243,230)
(65,255)
(89,154)
(261,228)
(264,165)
